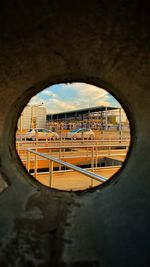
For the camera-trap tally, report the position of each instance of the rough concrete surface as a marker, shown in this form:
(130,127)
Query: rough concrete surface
(105,43)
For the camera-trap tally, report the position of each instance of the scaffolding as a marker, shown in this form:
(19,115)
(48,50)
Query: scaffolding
(96,118)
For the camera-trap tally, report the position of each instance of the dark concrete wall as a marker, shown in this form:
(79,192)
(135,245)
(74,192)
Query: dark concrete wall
(105,43)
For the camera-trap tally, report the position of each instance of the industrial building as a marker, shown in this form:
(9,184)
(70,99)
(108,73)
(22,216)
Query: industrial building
(33,116)
(99,117)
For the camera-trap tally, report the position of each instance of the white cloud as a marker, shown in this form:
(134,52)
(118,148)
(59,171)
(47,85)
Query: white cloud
(48,93)
(89,94)
(86,89)
(35,100)
(56,104)
(65,97)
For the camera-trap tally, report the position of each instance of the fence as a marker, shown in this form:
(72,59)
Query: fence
(60,162)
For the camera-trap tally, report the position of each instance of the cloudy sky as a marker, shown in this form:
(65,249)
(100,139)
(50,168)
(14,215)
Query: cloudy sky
(72,96)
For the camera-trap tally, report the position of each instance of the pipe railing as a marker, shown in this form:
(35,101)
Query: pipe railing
(63,148)
(21,147)
(71,141)
(52,159)
(88,151)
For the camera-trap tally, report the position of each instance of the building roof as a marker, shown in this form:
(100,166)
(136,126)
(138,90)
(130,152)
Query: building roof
(67,114)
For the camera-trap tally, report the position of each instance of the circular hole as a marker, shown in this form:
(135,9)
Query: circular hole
(73,136)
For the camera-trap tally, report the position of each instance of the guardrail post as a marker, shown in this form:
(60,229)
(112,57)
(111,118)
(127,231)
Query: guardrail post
(120,136)
(96,158)
(59,158)
(50,173)
(35,165)
(28,161)
(92,158)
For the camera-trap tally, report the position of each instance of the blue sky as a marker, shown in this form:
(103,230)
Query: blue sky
(72,96)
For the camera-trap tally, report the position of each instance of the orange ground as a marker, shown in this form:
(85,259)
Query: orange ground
(75,181)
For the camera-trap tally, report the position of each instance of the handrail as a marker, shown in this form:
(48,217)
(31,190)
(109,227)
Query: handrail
(84,156)
(71,166)
(78,146)
(75,141)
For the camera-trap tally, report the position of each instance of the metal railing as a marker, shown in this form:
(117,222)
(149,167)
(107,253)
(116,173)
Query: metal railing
(91,148)
(52,159)
(24,145)
(72,142)
(89,152)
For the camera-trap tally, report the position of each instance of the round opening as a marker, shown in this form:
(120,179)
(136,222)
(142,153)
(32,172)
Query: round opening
(73,136)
